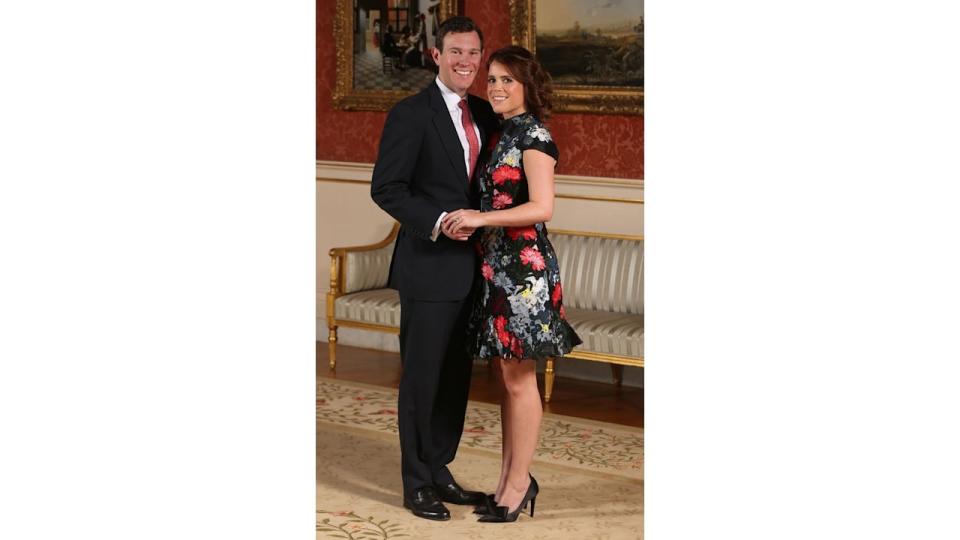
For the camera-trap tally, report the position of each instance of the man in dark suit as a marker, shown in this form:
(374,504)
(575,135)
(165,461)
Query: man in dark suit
(430,146)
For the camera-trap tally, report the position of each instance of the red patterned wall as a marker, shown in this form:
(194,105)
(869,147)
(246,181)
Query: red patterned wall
(590,145)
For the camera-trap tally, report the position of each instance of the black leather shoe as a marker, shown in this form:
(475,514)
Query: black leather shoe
(424,503)
(454,494)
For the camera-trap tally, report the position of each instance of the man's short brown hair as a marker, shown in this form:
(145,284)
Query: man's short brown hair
(457,24)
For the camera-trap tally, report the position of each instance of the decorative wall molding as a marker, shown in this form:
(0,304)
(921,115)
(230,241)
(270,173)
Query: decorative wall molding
(591,188)
(344,170)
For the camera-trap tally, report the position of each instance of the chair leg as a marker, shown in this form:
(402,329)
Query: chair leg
(617,370)
(548,381)
(332,345)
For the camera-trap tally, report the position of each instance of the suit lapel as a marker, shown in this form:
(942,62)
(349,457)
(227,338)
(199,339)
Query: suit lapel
(448,134)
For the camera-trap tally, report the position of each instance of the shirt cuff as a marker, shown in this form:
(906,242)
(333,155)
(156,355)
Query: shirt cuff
(436,228)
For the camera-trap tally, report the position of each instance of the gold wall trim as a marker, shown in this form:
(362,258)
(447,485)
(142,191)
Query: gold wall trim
(343,181)
(596,198)
(599,181)
(557,195)
(344,170)
(339,171)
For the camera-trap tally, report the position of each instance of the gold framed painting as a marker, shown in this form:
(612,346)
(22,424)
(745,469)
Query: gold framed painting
(593,51)
(382,49)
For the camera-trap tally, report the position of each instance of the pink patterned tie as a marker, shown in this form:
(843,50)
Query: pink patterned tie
(471,137)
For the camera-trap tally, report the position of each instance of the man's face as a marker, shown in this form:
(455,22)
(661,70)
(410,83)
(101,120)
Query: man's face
(459,60)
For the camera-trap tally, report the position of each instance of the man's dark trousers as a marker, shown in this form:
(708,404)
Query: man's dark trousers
(433,388)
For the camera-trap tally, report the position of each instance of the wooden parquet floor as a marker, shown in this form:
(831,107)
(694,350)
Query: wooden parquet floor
(584,399)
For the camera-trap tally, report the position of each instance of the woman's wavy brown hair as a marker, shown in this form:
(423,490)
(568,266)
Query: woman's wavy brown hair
(537,83)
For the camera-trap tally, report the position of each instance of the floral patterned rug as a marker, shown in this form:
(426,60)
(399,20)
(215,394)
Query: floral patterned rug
(590,473)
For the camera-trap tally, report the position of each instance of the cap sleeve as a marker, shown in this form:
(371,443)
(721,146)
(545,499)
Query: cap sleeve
(537,137)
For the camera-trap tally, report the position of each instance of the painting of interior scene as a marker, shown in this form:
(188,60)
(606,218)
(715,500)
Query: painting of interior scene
(595,42)
(392,41)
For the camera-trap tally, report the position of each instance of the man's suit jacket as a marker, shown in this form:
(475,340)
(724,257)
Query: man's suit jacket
(419,174)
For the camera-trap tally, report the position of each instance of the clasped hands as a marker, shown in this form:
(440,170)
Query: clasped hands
(460,224)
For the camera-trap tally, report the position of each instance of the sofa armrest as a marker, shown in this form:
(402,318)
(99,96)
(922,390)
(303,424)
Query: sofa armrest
(360,268)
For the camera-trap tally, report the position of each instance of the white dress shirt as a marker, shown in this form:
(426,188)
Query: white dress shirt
(452,100)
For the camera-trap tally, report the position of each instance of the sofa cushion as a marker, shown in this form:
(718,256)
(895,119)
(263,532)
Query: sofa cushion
(602,274)
(607,332)
(379,306)
(598,273)
(601,331)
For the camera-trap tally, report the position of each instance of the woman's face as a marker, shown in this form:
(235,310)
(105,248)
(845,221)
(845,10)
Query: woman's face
(504,92)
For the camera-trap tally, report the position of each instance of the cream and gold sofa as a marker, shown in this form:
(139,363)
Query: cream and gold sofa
(602,276)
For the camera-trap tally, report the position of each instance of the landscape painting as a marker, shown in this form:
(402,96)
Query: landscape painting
(593,49)
(591,43)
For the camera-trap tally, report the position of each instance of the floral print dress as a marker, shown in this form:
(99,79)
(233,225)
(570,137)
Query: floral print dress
(518,312)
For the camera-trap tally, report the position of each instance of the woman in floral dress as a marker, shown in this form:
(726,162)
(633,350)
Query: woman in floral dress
(518,317)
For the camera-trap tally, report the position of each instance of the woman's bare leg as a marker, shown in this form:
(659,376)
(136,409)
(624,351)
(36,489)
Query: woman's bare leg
(525,412)
(507,449)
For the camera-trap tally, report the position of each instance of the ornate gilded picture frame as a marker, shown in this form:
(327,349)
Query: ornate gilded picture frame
(382,49)
(593,51)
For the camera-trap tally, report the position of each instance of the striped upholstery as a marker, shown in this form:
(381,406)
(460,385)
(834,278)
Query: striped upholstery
(367,270)
(603,274)
(601,331)
(379,306)
(602,291)
(608,332)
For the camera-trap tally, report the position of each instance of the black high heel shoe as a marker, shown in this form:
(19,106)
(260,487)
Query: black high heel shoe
(502,514)
(486,506)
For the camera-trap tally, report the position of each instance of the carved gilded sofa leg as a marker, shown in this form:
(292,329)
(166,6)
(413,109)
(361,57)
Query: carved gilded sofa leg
(335,284)
(548,381)
(332,347)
